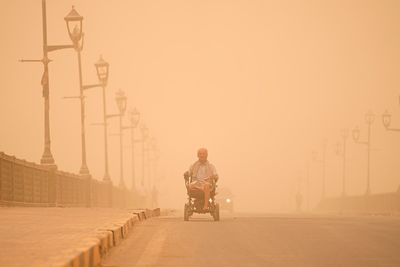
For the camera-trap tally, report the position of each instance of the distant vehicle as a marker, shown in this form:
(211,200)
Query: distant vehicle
(225,199)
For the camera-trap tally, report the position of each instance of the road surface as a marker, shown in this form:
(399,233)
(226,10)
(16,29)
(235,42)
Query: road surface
(269,240)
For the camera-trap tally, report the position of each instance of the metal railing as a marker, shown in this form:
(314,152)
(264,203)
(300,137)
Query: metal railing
(25,183)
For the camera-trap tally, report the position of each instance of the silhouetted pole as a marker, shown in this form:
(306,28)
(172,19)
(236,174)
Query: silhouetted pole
(344,136)
(133,159)
(369,119)
(153,161)
(386,120)
(47,157)
(102,70)
(308,185)
(74,25)
(342,153)
(324,170)
(134,120)
(106,177)
(84,169)
(121,154)
(148,165)
(145,135)
(323,162)
(121,103)
(299,197)
(134,117)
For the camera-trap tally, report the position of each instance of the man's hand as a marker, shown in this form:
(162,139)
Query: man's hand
(211,178)
(186,175)
(216,178)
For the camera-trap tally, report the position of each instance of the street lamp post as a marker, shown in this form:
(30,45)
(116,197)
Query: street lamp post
(149,162)
(47,157)
(74,26)
(145,136)
(121,103)
(134,117)
(102,70)
(153,161)
(341,151)
(308,185)
(387,120)
(323,162)
(369,119)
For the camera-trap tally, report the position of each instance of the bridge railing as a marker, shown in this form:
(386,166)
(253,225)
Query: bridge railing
(28,184)
(373,203)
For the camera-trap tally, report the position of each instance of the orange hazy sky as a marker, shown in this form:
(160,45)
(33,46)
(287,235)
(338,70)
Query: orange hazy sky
(259,83)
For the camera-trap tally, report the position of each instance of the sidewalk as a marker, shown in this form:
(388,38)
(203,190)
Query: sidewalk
(42,237)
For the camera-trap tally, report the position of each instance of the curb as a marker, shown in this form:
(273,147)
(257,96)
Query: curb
(92,250)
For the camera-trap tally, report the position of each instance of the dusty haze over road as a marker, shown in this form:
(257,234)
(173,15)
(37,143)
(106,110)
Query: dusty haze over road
(259,83)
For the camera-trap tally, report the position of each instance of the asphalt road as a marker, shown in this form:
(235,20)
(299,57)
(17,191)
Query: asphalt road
(269,240)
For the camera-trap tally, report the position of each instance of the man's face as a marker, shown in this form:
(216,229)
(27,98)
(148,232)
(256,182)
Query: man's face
(202,155)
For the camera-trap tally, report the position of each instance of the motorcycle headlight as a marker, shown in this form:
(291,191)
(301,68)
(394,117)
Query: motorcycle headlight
(228,200)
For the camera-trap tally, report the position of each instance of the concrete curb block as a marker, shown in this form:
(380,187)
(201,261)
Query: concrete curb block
(106,241)
(140,214)
(90,252)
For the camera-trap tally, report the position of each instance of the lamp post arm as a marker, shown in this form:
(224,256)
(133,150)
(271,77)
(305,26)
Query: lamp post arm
(112,115)
(85,87)
(73,97)
(32,60)
(393,129)
(51,48)
(340,154)
(361,143)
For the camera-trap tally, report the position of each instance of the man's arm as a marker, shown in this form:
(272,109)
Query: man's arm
(188,173)
(214,173)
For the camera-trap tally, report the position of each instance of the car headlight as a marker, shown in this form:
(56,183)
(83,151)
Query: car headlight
(228,200)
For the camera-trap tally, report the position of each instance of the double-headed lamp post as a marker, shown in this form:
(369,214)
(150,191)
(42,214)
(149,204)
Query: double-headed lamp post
(121,103)
(341,151)
(47,157)
(369,119)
